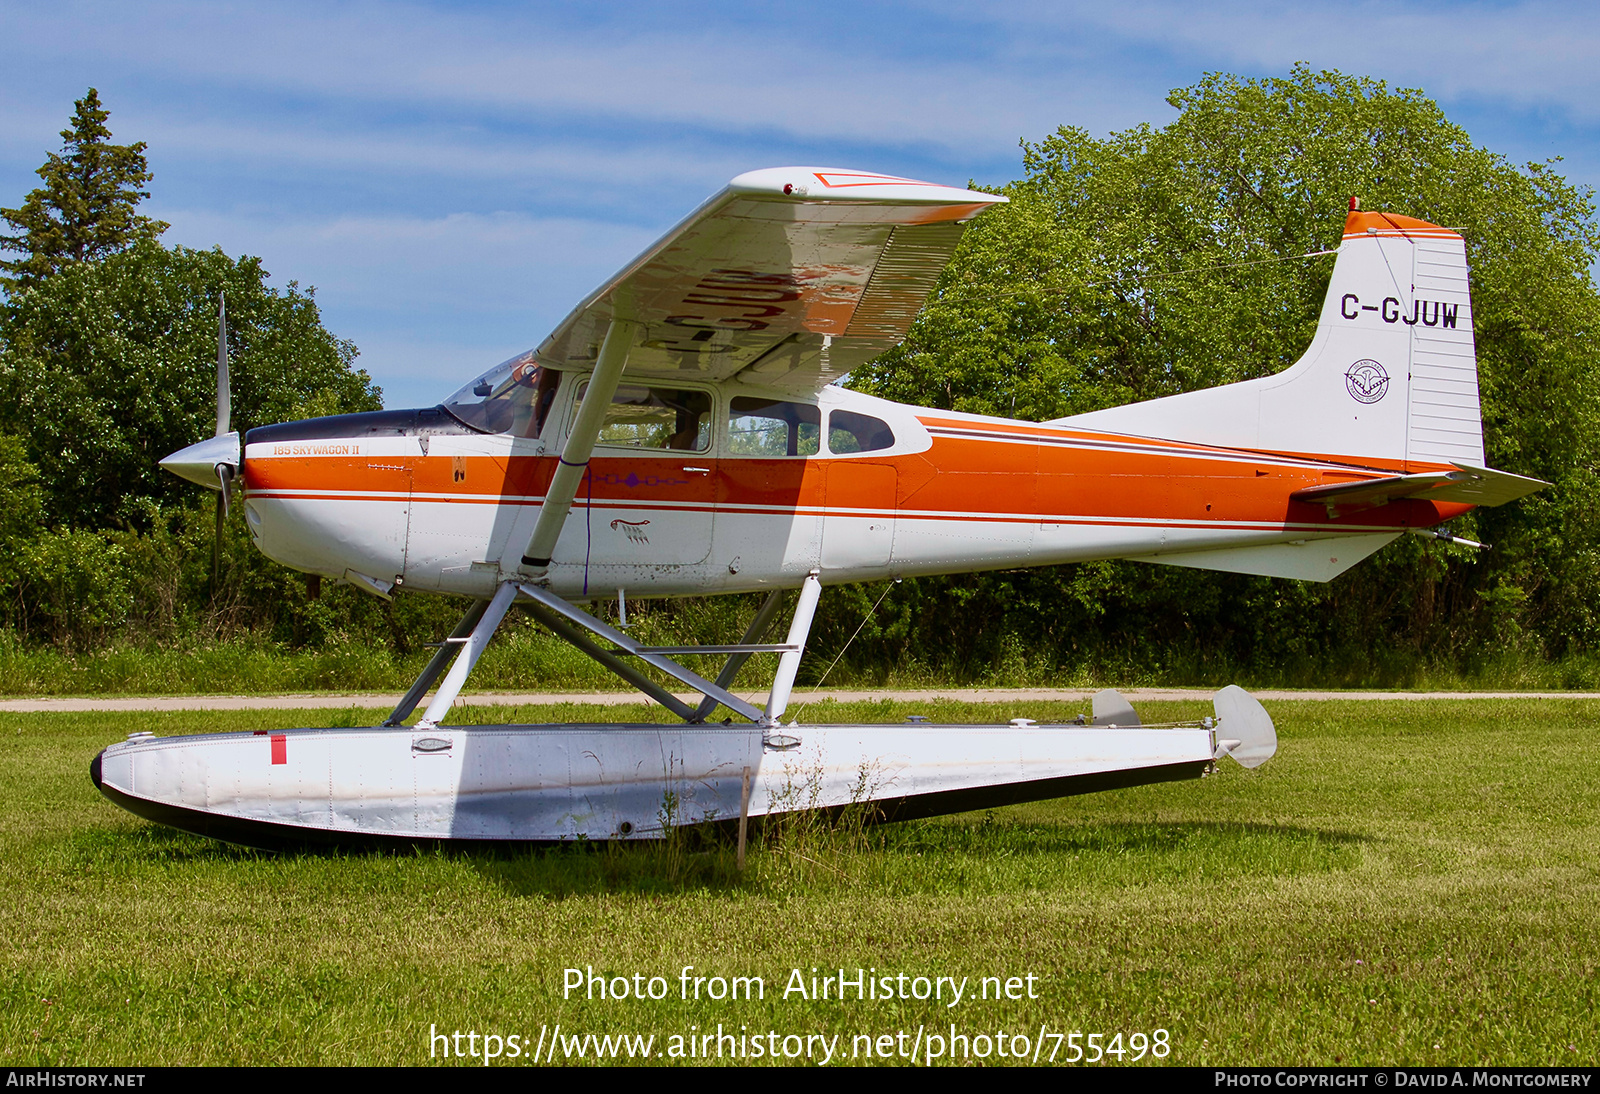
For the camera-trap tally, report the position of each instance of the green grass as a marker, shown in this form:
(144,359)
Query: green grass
(522,658)
(519,656)
(1404,883)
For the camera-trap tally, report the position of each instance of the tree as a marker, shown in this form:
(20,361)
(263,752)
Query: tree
(21,507)
(107,366)
(1160,260)
(86,208)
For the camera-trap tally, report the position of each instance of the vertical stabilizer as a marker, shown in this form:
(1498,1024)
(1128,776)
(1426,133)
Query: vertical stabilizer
(1391,377)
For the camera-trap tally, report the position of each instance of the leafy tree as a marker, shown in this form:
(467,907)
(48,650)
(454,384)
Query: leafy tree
(71,586)
(21,507)
(107,364)
(1160,260)
(110,365)
(85,209)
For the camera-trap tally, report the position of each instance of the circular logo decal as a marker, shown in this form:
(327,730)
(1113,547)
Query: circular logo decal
(1366,381)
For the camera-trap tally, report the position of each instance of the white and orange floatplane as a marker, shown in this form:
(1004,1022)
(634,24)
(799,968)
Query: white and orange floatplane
(680,434)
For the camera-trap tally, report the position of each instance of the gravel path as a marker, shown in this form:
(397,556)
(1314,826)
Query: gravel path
(385,701)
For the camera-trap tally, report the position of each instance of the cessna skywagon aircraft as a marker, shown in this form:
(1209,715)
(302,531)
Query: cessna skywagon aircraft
(680,434)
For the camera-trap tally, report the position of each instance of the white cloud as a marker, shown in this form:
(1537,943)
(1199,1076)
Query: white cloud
(981,78)
(520,67)
(464,260)
(1522,54)
(417,152)
(428,301)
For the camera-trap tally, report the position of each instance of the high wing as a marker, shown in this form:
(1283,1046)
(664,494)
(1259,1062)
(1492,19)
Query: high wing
(790,277)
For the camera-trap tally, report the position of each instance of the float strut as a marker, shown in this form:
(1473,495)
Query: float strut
(441,658)
(753,634)
(789,663)
(649,655)
(471,650)
(572,636)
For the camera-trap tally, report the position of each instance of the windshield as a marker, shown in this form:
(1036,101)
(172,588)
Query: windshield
(513,397)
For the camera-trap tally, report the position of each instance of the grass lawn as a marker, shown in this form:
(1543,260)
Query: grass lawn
(1407,882)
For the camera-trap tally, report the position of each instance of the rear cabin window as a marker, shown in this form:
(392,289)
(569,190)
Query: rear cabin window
(852,432)
(655,417)
(768,427)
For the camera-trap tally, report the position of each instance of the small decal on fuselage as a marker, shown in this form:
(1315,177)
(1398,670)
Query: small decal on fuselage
(634,529)
(335,448)
(633,481)
(1366,381)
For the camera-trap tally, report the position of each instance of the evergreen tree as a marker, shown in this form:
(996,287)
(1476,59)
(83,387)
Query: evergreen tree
(86,208)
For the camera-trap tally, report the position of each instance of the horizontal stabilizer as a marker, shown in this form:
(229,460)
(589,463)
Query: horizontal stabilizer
(1305,560)
(1484,486)
(1375,491)
(1466,485)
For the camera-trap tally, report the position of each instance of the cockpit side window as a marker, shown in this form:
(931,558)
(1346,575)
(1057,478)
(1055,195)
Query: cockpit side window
(653,417)
(769,427)
(851,432)
(544,397)
(514,398)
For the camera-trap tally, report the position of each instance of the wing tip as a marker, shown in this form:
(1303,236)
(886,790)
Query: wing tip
(845,184)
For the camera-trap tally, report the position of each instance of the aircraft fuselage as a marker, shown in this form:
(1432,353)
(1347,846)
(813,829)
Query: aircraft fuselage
(415,500)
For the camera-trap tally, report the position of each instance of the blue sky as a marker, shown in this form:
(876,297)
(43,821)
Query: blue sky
(452,178)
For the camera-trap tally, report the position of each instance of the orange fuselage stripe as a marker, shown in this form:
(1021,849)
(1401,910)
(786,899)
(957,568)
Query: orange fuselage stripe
(960,477)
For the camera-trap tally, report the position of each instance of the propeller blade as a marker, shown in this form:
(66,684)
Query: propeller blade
(225,473)
(225,478)
(222,365)
(216,539)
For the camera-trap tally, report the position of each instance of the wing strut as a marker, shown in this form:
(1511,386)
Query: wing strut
(580,444)
(799,629)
